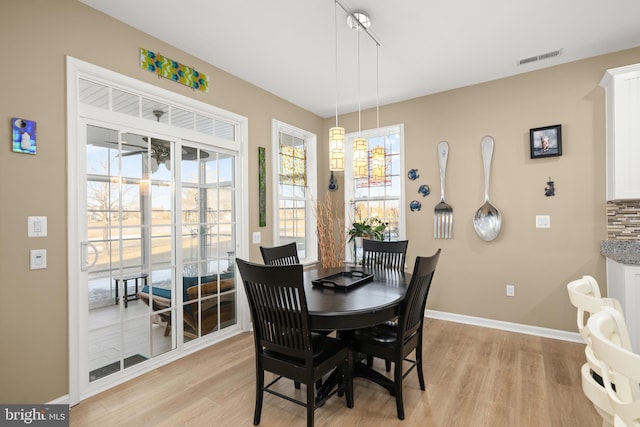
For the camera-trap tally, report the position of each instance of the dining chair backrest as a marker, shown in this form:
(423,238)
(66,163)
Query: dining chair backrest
(280,255)
(278,306)
(411,313)
(384,253)
(620,365)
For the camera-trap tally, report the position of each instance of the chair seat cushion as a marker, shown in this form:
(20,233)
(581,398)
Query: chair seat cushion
(323,346)
(383,333)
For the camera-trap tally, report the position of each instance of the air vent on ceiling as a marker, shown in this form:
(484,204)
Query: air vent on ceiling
(540,57)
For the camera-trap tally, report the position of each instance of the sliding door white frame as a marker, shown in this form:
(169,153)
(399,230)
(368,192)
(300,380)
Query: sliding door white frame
(76,115)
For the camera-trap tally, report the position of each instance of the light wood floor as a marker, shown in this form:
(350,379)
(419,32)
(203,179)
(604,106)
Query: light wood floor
(474,376)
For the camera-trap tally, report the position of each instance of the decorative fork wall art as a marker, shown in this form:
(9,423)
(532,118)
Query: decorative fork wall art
(442,213)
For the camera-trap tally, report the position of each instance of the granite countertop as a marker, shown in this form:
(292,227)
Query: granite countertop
(622,251)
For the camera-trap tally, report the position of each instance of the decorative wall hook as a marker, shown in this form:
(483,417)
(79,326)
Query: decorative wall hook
(550,190)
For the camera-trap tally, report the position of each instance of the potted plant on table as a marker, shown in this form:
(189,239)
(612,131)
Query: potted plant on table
(370,228)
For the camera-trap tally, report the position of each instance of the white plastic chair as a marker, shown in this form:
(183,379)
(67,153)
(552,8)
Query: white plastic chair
(620,365)
(585,295)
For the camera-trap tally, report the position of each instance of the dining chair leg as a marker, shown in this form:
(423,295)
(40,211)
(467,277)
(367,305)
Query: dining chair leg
(419,365)
(259,396)
(387,365)
(311,403)
(398,388)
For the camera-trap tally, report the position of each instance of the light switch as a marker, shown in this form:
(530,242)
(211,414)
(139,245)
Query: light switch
(36,226)
(256,237)
(38,259)
(543,221)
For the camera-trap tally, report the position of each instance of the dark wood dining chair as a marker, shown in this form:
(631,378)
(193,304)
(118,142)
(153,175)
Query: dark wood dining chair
(283,340)
(285,255)
(280,255)
(394,342)
(384,254)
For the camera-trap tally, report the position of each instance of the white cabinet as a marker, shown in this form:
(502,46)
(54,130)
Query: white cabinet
(622,86)
(623,284)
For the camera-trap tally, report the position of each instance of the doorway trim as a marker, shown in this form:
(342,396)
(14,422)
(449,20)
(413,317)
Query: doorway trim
(77,316)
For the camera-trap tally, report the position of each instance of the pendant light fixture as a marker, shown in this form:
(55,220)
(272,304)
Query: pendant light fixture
(360,152)
(336,133)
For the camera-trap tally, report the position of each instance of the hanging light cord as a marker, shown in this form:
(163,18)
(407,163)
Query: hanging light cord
(335,26)
(359,127)
(377,88)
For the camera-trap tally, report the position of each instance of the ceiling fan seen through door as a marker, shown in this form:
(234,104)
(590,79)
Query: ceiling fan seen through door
(160,148)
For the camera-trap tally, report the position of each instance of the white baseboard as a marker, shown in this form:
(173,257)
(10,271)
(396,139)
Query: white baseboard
(507,326)
(62,400)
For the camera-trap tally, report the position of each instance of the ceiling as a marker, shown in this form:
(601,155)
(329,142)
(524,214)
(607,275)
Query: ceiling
(288,47)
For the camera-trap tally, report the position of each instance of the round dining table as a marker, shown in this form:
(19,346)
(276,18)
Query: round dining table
(344,309)
(367,304)
(358,306)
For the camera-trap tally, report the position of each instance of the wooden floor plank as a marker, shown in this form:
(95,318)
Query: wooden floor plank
(474,377)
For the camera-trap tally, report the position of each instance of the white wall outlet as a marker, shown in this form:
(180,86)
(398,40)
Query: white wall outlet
(543,221)
(36,226)
(257,237)
(38,259)
(511,290)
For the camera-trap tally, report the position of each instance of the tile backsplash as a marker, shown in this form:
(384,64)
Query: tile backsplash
(623,220)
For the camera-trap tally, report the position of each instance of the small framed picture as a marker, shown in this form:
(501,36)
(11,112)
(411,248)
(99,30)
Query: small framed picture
(23,136)
(546,141)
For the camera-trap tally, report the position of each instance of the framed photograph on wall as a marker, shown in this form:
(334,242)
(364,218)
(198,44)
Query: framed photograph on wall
(546,141)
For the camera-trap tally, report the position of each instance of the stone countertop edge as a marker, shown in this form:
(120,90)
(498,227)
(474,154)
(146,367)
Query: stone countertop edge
(622,251)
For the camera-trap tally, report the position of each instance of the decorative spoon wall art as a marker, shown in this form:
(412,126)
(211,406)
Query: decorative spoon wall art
(487,220)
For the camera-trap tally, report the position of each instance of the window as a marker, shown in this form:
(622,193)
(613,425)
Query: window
(295,183)
(379,192)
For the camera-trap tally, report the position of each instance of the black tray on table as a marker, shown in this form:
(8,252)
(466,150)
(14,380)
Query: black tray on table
(344,280)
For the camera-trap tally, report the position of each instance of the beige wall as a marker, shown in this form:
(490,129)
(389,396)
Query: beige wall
(35,37)
(472,274)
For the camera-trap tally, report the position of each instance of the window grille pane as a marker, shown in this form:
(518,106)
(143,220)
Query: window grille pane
(293,163)
(94,94)
(225,130)
(204,124)
(182,118)
(125,103)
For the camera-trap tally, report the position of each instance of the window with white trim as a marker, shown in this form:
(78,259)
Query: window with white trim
(295,184)
(376,190)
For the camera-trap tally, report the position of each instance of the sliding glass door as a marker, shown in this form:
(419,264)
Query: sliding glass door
(207,240)
(130,234)
(154,215)
(161,239)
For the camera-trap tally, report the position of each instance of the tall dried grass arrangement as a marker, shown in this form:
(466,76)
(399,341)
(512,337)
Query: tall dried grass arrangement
(332,237)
